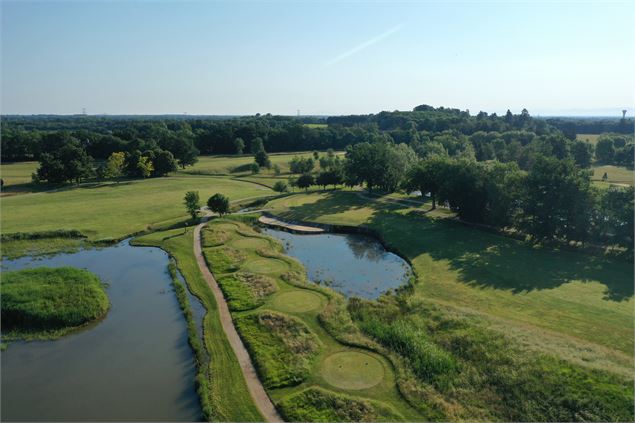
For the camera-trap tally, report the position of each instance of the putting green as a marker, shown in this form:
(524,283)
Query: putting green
(250,243)
(352,370)
(298,301)
(265,265)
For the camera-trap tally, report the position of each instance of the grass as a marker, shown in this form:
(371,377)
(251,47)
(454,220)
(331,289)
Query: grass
(40,243)
(320,405)
(316,125)
(576,306)
(46,303)
(592,138)
(616,175)
(112,211)
(293,347)
(239,166)
(223,391)
(481,375)
(283,347)
(18,173)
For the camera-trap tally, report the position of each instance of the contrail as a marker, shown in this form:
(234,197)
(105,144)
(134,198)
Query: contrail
(363,45)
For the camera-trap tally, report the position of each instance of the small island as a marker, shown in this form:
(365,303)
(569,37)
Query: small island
(46,303)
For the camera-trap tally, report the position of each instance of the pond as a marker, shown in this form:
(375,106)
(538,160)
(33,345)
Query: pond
(135,364)
(355,265)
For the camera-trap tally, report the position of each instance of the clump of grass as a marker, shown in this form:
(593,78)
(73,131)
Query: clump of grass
(213,236)
(49,302)
(316,404)
(245,291)
(283,347)
(224,260)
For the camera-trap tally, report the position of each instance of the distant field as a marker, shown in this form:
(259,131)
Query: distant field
(576,306)
(316,125)
(616,175)
(239,165)
(592,138)
(109,210)
(17,173)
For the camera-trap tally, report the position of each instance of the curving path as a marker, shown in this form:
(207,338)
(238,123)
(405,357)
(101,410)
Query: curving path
(257,391)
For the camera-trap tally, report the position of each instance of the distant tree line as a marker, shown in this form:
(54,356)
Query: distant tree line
(592,125)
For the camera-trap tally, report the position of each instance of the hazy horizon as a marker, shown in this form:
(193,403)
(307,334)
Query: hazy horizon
(243,58)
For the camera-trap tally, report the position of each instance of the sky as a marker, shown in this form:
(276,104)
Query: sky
(318,57)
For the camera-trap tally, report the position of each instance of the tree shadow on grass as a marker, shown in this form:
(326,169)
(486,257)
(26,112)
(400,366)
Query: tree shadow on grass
(484,259)
(480,258)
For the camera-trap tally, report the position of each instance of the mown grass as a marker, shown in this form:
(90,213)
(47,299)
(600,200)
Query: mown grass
(283,347)
(480,374)
(46,303)
(317,404)
(110,210)
(224,394)
(585,297)
(616,175)
(240,165)
(592,138)
(17,173)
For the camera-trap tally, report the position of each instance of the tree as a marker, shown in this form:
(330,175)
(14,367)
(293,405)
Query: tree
(280,186)
(115,165)
(257,145)
(192,203)
(557,200)
(276,170)
(316,156)
(163,163)
(145,166)
(305,181)
(427,177)
(185,152)
(582,153)
(68,163)
(301,165)
(604,150)
(262,158)
(218,203)
(255,168)
(239,145)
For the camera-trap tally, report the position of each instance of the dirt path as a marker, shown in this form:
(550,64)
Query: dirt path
(296,228)
(257,391)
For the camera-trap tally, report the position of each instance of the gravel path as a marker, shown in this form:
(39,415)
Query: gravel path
(257,391)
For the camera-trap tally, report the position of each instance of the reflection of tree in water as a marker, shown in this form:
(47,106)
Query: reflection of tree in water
(365,248)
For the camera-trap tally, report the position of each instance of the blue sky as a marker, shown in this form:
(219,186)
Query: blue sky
(322,57)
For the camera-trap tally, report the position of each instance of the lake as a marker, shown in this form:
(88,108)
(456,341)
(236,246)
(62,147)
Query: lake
(135,364)
(355,265)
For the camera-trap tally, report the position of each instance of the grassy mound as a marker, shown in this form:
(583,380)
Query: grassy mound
(266,265)
(352,370)
(299,301)
(319,405)
(244,291)
(48,302)
(283,347)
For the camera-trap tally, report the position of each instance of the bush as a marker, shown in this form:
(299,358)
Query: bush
(280,186)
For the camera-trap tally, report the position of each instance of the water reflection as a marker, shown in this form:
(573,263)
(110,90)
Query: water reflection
(355,265)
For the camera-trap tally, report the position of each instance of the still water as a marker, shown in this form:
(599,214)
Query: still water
(355,265)
(135,364)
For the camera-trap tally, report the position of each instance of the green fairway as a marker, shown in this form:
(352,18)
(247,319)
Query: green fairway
(239,166)
(17,173)
(109,210)
(616,175)
(592,138)
(539,295)
(299,301)
(49,302)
